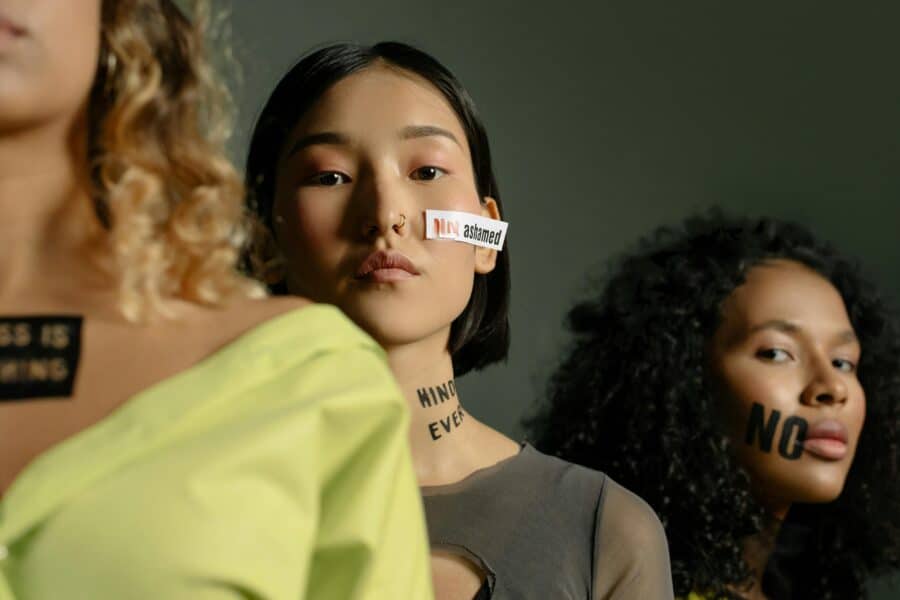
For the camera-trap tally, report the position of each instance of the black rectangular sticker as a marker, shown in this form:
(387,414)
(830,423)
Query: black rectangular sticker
(39,356)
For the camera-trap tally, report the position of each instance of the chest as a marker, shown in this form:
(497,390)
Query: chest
(112,364)
(455,577)
(524,527)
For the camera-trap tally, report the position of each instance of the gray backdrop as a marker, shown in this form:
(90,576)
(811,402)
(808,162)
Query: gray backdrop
(609,118)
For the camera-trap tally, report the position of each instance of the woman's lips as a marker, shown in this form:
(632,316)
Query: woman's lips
(827,439)
(386,266)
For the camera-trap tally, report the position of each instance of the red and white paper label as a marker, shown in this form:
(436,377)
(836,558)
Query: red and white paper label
(465,227)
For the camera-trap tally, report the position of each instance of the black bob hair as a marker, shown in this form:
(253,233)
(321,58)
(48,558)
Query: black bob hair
(480,335)
(633,398)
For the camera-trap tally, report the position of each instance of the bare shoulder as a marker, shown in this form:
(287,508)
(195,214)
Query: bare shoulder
(211,328)
(248,313)
(492,446)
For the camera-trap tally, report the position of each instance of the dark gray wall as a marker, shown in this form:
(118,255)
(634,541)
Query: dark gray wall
(607,119)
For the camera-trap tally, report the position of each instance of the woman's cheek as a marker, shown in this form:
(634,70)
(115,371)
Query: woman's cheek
(57,68)
(317,218)
(454,269)
(858,397)
(746,386)
(453,194)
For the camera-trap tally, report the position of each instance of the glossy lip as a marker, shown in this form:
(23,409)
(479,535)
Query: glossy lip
(827,439)
(385,266)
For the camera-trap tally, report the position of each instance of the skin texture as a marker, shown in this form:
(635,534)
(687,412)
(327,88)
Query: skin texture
(46,74)
(339,202)
(637,395)
(786,343)
(336,203)
(48,258)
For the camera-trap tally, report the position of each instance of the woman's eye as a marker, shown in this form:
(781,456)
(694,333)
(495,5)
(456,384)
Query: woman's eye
(428,173)
(774,355)
(844,365)
(328,178)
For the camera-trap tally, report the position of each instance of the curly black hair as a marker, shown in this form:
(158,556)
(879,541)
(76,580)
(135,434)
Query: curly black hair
(633,397)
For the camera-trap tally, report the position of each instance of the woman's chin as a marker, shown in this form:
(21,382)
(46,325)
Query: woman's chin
(813,488)
(392,329)
(394,321)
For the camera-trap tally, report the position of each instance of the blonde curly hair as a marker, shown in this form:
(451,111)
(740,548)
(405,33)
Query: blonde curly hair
(170,200)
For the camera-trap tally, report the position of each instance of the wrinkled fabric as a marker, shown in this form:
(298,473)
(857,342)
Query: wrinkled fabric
(276,469)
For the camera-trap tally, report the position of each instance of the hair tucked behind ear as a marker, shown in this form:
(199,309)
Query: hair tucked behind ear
(171,201)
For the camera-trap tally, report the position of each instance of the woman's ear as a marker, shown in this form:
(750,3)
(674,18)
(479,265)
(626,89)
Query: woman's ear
(485,258)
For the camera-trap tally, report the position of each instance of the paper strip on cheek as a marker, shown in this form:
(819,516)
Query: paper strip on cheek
(465,227)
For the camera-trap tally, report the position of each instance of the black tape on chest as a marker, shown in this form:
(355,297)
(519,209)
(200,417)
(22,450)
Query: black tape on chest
(39,356)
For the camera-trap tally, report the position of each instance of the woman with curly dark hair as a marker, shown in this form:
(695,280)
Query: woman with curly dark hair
(743,378)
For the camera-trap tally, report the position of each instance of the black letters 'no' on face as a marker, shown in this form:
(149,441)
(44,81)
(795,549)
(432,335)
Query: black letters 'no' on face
(761,432)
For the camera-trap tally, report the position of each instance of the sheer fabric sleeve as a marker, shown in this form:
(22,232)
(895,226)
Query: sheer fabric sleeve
(631,555)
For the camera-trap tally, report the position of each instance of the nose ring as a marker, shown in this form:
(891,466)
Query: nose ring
(399,226)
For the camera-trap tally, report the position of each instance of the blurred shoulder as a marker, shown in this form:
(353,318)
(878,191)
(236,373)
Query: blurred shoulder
(246,314)
(219,324)
(281,321)
(288,321)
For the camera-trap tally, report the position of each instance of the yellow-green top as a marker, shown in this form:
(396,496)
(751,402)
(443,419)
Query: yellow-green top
(278,468)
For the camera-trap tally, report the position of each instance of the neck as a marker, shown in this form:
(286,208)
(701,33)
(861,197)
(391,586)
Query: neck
(758,548)
(46,215)
(440,429)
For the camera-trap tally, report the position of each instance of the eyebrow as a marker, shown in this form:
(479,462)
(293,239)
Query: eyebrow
(844,337)
(317,139)
(420,131)
(777,324)
(334,138)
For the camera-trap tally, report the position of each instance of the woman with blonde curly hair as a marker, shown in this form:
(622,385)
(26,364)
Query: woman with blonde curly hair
(165,433)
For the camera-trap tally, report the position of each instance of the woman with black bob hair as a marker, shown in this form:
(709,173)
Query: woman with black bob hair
(480,335)
(352,149)
(742,376)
